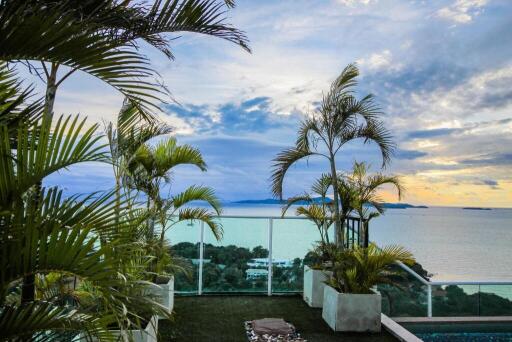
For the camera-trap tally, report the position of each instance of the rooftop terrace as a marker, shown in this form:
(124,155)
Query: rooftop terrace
(221,319)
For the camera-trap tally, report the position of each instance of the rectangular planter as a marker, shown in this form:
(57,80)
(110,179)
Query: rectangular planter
(165,294)
(351,312)
(148,334)
(313,292)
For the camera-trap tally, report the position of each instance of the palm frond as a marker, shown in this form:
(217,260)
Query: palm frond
(50,32)
(282,164)
(203,215)
(14,106)
(198,16)
(44,321)
(39,156)
(168,154)
(294,200)
(197,193)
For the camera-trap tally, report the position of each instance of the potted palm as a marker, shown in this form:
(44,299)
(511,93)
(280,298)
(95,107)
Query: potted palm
(350,302)
(319,210)
(149,170)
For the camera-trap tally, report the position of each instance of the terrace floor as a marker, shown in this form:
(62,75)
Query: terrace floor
(221,319)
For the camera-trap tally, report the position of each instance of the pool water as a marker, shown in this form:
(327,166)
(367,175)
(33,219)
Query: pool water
(465,337)
(462,332)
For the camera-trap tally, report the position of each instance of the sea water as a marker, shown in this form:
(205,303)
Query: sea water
(451,243)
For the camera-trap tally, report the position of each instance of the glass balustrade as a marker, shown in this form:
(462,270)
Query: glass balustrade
(185,238)
(455,300)
(495,300)
(239,263)
(408,299)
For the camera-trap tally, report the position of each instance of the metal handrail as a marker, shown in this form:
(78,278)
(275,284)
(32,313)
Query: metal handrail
(430,283)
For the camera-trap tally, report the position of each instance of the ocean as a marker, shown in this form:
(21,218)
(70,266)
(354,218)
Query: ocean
(451,243)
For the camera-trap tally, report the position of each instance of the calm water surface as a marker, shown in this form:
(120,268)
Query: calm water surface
(451,243)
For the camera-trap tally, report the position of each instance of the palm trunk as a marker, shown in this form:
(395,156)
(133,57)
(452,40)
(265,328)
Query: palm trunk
(151,220)
(338,236)
(51,90)
(28,287)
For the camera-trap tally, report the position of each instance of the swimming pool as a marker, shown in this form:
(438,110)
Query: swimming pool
(462,332)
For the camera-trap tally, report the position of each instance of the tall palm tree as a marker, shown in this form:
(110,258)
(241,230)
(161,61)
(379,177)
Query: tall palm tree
(103,37)
(366,200)
(340,119)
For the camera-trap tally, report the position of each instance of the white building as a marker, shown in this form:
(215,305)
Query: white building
(255,273)
(263,262)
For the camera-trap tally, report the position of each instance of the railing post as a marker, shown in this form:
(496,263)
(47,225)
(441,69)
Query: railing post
(479,299)
(429,298)
(269,277)
(201,258)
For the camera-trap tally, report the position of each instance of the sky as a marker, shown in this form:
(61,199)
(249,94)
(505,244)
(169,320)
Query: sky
(440,70)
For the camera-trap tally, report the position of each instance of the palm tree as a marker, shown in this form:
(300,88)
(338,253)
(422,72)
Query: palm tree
(150,169)
(358,270)
(103,37)
(128,134)
(365,188)
(340,119)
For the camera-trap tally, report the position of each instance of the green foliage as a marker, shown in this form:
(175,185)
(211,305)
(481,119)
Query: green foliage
(358,270)
(150,168)
(103,37)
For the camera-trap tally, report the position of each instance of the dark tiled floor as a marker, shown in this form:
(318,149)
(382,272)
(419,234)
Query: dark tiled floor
(221,318)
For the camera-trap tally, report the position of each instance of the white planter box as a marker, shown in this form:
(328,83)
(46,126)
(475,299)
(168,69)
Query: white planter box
(351,312)
(165,294)
(313,292)
(149,334)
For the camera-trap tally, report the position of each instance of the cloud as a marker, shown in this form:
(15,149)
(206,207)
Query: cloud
(409,155)
(431,133)
(352,3)
(254,115)
(491,183)
(496,159)
(379,61)
(462,11)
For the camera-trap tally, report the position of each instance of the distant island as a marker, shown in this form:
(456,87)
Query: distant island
(475,208)
(319,200)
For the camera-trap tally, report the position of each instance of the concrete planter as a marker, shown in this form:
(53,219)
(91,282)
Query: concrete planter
(148,334)
(165,293)
(351,312)
(313,293)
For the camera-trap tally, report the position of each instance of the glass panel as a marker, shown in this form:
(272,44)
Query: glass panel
(495,300)
(184,238)
(292,239)
(455,300)
(239,262)
(407,300)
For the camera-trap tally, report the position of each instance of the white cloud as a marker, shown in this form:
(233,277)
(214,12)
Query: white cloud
(462,11)
(484,95)
(379,61)
(352,3)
